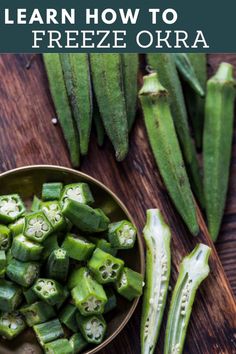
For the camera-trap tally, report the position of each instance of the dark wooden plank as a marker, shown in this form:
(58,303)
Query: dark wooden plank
(28,137)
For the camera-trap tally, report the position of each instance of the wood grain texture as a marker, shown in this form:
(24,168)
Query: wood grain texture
(27,136)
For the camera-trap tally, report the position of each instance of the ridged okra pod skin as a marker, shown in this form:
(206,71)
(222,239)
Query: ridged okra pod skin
(109,91)
(25,250)
(76,72)
(22,273)
(163,140)
(67,316)
(157,237)
(193,270)
(62,106)
(78,342)
(167,73)
(217,144)
(58,265)
(37,312)
(59,346)
(130,66)
(48,331)
(10,296)
(51,191)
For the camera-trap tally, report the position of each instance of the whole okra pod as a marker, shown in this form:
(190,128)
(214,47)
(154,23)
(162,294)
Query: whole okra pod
(217,143)
(193,270)
(161,132)
(158,265)
(165,66)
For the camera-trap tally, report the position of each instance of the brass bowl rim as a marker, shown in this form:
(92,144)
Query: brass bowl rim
(123,207)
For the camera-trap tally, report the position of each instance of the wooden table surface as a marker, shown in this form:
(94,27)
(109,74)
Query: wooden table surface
(27,136)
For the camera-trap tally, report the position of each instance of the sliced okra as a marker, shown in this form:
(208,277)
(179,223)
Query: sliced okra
(52,191)
(77,342)
(24,249)
(79,192)
(58,264)
(93,328)
(37,312)
(48,331)
(3,263)
(53,212)
(105,267)
(63,298)
(89,296)
(36,204)
(37,226)
(130,284)
(78,247)
(30,296)
(10,296)
(11,325)
(22,273)
(104,220)
(59,346)
(50,244)
(122,234)
(5,238)
(49,291)
(104,245)
(111,301)
(17,227)
(67,316)
(11,208)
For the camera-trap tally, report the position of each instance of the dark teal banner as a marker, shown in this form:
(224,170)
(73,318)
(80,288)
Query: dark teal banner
(117,26)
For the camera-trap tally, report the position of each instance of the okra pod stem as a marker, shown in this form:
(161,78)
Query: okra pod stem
(107,71)
(62,106)
(193,270)
(217,143)
(161,132)
(158,266)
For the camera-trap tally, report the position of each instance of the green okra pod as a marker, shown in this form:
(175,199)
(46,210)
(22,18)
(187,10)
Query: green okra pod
(49,290)
(122,234)
(48,331)
(78,343)
(52,191)
(22,273)
(167,73)
(37,226)
(111,301)
(157,237)
(193,270)
(10,296)
(79,192)
(59,346)
(76,72)
(62,106)
(36,204)
(36,313)
(129,284)
(107,71)
(78,247)
(67,316)
(100,131)
(161,132)
(5,238)
(11,324)
(58,265)
(25,250)
(93,328)
(11,208)
(217,143)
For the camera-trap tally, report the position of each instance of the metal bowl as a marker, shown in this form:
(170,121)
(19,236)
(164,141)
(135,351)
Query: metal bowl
(27,181)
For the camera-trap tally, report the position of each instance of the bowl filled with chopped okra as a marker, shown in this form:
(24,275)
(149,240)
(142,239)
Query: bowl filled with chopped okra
(71,262)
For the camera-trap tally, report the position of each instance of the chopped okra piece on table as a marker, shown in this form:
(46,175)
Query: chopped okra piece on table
(105,267)
(58,264)
(89,296)
(130,284)
(26,250)
(11,208)
(122,234)
(77,342)
(103,245)
(30,296)
(10,296)
(11,324)
(80,192)
(53,212)
(93,328)
(5,238)
(22,273)
(17,227)
(59,346)
(49,290)
(48,331)
(37,312)
(111,301)
(52,191)
(3,263)
(36,204)
(78,247)
(67,316)
(37,226)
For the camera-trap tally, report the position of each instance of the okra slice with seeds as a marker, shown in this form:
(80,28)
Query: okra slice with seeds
(130,284)
(59,346)
(10,296)
(105,267)
(58,264)
(80,192)
(48,331)
(111,301)
(17,227)
(53,212)
(122,234)
(78,247)
(89,296)
(52,191)
(24,249)
(78,343)
(11,208)
(36,204)
(22,273)
(37,312)
(193,270)
(3,263)
(49,290)
(5,238)
(37,226)
(157,237)
(11,325)
(67,316)
(93,328)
